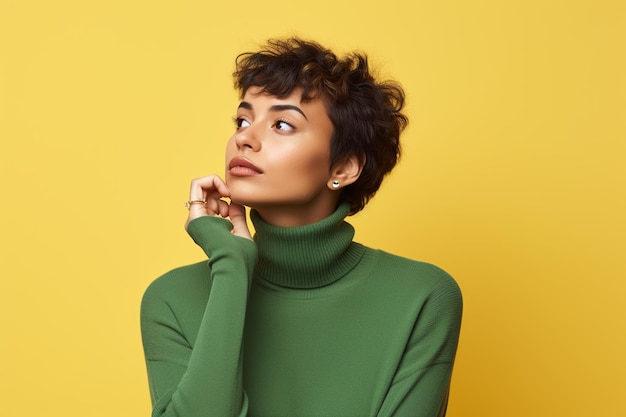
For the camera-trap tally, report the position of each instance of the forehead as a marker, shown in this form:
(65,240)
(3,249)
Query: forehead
(297,92)
(260,92)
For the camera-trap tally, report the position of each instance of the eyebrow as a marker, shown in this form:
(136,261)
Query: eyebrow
(275,108)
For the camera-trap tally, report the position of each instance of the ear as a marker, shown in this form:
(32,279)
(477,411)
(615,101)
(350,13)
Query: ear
(345,173)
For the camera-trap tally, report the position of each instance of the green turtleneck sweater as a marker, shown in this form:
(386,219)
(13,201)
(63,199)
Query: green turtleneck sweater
(301,322)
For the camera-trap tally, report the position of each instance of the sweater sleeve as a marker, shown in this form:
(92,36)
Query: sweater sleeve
(421,383)
(203,379)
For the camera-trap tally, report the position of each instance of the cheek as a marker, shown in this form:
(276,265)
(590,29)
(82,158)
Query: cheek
(314,166)
(229,153)
(230,144)
(320,158)
(230,149)
(301,158)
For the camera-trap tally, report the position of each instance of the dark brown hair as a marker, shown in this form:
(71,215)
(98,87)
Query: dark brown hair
(366,113)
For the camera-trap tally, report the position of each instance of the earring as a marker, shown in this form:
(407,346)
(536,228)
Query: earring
(335,184)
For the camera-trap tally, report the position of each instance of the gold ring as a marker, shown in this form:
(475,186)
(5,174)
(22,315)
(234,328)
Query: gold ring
(189,203)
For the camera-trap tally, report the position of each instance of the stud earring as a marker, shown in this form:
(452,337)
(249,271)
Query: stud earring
(335,184)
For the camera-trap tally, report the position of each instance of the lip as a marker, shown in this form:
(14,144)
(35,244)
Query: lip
(243,167)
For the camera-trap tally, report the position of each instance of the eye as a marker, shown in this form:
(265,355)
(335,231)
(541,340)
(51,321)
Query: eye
(283,126)
(241,122)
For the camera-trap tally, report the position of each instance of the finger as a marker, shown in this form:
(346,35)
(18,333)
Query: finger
(212,205)
(222,208)
(237,214)
(205,187)
(209,189)
(195,211)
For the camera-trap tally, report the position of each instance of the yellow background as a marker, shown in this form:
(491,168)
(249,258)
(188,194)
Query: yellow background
(513,179)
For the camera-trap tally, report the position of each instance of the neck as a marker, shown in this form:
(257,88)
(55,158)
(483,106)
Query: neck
(295,215)
(309,256)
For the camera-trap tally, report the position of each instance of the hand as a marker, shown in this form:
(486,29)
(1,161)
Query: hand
(213,189)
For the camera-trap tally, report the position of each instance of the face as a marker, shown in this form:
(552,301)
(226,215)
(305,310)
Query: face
(278,159)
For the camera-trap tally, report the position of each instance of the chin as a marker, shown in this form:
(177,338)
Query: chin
(240,195)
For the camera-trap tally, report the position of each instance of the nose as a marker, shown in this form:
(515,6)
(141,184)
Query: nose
(248,138)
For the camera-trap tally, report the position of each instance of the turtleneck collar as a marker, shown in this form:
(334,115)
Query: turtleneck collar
(309,256)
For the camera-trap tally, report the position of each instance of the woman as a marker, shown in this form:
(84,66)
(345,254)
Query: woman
(300,320)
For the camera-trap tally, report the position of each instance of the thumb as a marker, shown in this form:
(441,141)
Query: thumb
(237,215)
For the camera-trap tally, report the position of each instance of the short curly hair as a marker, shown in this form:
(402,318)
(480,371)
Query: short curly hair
(366,113)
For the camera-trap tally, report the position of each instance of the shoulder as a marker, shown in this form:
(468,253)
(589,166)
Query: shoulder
(428,291)
(410,270)
(173,304)
(416,279)
(179,285)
